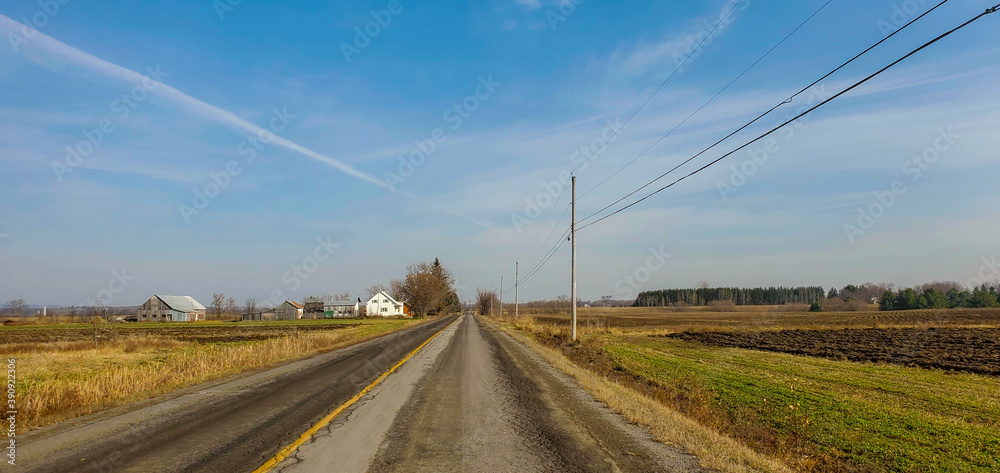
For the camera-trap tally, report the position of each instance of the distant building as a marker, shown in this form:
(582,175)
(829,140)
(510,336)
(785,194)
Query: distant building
(171,309)
(383,305)
(313,308)
(288,310)
(342,309)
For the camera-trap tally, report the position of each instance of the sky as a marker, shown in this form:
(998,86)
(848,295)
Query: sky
(278,151)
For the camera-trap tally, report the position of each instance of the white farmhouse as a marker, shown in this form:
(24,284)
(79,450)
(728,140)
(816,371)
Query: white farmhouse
(383,305)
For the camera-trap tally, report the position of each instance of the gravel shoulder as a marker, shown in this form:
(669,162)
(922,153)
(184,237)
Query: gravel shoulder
(490,404)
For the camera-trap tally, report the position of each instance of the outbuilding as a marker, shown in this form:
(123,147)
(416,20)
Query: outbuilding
(288,310)
(171,309)
(341,309)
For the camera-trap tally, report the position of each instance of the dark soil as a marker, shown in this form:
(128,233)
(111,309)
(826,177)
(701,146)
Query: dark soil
(974,350)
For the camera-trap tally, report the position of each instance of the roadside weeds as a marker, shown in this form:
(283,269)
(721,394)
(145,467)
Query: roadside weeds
(65,380)
(666,425)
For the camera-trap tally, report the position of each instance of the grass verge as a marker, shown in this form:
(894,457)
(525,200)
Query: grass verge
(61,380)
(713,449)
(814,414)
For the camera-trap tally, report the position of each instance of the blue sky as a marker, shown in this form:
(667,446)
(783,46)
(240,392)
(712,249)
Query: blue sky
(550,79)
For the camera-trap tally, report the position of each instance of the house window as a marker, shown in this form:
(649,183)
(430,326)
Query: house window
(385,309)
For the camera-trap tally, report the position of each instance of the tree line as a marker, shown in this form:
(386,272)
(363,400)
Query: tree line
(738,295)
(939,298)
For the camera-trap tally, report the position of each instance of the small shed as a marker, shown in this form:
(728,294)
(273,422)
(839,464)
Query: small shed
(288,310)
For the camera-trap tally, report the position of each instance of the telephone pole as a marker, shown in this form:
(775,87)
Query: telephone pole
(572,237)
(501,296)
(517,282)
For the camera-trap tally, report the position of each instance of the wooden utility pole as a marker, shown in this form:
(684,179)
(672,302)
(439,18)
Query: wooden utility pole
(501,296)
(517,282)
(572,238)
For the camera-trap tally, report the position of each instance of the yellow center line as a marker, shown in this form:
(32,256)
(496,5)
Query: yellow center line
(284,453)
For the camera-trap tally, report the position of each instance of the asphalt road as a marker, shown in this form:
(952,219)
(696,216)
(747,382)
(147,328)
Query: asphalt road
(471,400)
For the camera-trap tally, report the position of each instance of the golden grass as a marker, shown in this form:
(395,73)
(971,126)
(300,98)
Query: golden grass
(713,449)
(62,380)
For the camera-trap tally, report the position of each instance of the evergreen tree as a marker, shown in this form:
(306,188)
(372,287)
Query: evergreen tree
(888,301)
(983,297)
(907,300)
(934,299)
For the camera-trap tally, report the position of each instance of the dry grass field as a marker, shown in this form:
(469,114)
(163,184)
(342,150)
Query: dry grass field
(63,372)
(791,316)
(905,392)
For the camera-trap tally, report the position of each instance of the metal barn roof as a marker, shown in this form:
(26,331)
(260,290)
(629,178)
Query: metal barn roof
(181,303)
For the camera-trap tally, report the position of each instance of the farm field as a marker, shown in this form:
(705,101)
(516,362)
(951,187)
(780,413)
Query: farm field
(975,350)
(680,319)
(850,391)
(64,373)
(202,332)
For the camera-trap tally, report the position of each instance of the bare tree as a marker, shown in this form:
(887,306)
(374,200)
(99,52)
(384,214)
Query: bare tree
(218,303)
(320,298)
(703,284)
(421,289)
(396,289)
(343,296)
(251,306)
(375,289)
(606,301)
(485,299)
(17,305)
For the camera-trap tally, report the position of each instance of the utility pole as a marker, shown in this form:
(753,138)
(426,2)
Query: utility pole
(517,282)
(501,296)
(572,237)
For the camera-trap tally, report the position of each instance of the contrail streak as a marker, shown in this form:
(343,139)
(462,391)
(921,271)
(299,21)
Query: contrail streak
(204,109)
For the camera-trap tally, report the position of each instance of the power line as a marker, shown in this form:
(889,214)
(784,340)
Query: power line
(841,93)
(603,145)
(759,117)
(672,130)
(671,76)
(549,255)
(545,224)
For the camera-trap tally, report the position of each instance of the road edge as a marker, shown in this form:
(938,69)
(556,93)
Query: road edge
(671,427)
(291,448)
(122,409)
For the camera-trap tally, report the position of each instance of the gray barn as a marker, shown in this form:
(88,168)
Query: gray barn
(171,309)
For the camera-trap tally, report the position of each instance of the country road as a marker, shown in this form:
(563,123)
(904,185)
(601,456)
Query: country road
(472,400)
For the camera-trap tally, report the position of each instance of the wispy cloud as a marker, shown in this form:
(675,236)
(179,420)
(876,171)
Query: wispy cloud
(529,4)
(81,58)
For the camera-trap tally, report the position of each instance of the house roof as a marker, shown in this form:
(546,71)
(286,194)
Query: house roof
(294,304)
(181,303)
(340,304)
(386,295)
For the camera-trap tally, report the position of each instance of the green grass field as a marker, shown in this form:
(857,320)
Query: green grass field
(890,418)
(813,414)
